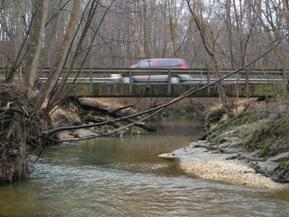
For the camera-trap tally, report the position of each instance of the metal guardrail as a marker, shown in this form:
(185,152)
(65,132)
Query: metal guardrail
(154,71)
(198,75)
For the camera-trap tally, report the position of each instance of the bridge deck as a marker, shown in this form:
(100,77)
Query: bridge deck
(99,82)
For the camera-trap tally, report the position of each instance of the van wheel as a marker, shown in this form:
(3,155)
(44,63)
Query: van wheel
(175,80)
(125,80)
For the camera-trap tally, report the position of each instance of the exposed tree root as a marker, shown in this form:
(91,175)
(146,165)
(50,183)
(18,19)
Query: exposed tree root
(21,127)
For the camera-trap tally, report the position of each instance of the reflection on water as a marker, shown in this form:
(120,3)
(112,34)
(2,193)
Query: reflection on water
(123,177)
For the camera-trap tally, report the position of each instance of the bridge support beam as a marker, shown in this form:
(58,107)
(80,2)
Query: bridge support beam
(161,90)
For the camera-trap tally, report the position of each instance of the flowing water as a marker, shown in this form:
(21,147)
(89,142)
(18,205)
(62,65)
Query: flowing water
(124,177)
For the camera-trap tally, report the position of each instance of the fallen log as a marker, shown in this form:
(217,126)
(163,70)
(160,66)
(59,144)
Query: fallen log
(114,112)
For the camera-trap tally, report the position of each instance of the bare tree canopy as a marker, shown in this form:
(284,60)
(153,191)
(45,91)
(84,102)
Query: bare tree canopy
(145,28)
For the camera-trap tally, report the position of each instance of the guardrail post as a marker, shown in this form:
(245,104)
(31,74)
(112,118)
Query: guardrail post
(208,77)
(169,82)
(20,73)
(208,82)
(130,80)
(90,80)
(283,75)
(237,85)
(247,83)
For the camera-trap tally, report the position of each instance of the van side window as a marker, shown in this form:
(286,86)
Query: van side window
(169,63)
(145,64)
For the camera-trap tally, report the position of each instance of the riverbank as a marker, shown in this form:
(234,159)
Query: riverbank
(199,161)
(79,111)
(251,149)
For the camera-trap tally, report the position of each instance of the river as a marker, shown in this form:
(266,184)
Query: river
(124,177)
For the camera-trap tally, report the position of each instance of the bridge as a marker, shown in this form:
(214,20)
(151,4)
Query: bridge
(109,82)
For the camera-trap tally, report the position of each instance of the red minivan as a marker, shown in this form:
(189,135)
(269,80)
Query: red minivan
(159,63)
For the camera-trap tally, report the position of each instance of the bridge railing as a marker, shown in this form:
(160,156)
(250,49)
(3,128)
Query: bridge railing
(200,75)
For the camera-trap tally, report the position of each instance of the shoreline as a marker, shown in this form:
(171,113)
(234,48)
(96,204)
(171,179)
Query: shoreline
(197,159)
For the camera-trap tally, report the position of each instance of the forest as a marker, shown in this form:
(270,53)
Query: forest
(117,33)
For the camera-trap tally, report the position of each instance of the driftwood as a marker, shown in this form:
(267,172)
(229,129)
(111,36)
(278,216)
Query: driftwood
(114,112)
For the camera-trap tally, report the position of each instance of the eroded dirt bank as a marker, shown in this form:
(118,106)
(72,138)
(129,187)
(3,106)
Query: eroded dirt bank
(78,111)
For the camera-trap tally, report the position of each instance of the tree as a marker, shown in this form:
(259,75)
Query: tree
(64,51)
(34,47)
(209,43)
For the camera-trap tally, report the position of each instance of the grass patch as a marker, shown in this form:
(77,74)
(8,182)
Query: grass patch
(266,146)
(215,139)
(242,119)
(285,164)
(270,137)
(268,90)
(212,126)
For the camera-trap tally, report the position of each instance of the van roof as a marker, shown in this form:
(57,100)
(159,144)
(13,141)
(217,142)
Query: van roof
(163,59)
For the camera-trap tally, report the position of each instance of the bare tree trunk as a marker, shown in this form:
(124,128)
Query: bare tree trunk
(35,43)
(172,25)
(228,22)
(58,91)
(53,77)
(208,41)
(138,34)
(164,42)
(51,35)
(286,11)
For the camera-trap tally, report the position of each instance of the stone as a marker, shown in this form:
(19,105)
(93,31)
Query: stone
(169,156)
(250,157)
(255,153)
(279,157)
(283,108)
(268,167)
(273,116)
